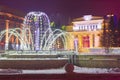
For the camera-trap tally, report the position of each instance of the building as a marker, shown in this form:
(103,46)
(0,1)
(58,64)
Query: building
(86,31)
(9,18)
(11,15)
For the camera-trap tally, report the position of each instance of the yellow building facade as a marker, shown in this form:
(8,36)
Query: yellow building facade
(86,32)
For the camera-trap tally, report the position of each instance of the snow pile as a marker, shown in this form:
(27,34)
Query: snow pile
(62,71)
(96,70)
(90,70)
(46,71)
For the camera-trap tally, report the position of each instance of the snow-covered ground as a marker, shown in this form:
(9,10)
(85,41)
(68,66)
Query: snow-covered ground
(62,71)
(96,70)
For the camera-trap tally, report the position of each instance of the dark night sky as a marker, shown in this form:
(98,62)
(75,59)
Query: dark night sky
(66,8)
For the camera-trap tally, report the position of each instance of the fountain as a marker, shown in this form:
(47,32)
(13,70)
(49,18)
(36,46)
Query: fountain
(36,42)
(37,46)
(36,35)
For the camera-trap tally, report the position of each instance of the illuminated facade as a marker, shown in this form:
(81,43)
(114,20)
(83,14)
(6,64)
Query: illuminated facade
(9,18)
(86,31)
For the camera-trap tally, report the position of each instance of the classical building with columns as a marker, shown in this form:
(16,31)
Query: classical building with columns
(86,32)
(9,18)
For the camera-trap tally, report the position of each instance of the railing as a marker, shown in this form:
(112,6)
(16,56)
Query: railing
(63,52)
(71,55)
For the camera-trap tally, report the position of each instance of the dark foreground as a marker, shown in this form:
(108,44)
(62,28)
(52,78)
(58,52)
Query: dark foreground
(67,76)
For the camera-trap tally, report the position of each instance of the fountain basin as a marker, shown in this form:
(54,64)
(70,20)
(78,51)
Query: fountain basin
(32,63)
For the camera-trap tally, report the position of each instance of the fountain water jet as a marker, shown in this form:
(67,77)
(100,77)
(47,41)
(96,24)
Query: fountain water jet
(36,34)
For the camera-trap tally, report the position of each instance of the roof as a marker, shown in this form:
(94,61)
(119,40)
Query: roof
(82,18)
(12,11)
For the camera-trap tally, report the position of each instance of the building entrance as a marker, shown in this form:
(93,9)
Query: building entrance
(86,41)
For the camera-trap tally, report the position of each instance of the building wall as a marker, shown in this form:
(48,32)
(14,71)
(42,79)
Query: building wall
(86,33)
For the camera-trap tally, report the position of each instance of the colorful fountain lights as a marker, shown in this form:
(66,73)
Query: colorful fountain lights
(36,33)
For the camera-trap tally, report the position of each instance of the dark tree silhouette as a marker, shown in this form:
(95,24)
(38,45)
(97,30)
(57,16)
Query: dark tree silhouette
(108,39)
(112,31)
(118,34)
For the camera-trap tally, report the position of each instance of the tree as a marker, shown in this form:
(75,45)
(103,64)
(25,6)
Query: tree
(105,37)
(112,31)
(63,27)
(108,39)
(118,34)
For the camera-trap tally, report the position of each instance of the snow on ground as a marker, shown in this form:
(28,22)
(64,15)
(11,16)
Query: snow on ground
(90,70)
(96,70)
(47,71)
(62,71)
(76,70)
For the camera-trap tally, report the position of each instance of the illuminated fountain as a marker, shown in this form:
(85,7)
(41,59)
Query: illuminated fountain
(35,44)
(36,34)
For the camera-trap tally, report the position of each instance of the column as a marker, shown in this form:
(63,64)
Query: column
(91,40)
(6,35)
(17,43)
(76,44)
(13,42)
(80,41)
(97,40)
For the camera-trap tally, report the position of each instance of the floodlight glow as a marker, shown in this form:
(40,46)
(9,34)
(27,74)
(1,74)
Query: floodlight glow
(87,17)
